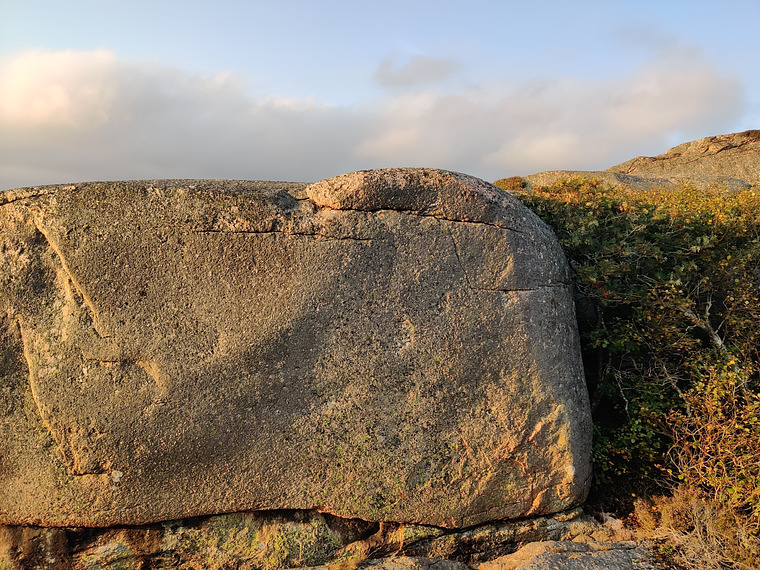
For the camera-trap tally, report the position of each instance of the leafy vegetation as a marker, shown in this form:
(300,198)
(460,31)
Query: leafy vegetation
(668,298)
(512,184)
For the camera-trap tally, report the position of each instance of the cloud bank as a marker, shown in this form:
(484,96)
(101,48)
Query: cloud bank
(418,71)
(74,116)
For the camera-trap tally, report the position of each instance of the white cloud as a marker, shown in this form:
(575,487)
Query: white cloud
(69,116)
(591,125)
(672,92)
(88,115)
(64,88)
(419,70)
(566,123)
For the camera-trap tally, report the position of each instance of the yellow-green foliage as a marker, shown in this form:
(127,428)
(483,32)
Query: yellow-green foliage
(668,285)
(695,532)
(511,184)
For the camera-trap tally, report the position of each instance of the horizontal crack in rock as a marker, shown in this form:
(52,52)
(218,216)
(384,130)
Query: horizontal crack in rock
(303,234)
(421,214)
(557,285)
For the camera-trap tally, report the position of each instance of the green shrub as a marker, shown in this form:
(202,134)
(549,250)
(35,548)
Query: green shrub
(668,299)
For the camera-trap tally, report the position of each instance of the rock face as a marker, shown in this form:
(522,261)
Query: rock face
(731,160)
(734,155)
(386,345)
(305,539)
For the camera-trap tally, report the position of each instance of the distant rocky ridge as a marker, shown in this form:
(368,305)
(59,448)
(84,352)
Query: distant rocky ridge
(731,160)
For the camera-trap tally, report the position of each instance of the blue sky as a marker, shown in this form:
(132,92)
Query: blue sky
(298,90)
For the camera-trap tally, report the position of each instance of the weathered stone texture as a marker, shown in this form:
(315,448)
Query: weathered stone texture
(558,555)
(735,155)
(273,540)
(731,160)
(387,345)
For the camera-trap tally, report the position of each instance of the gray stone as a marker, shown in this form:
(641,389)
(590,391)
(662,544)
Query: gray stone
(407,563)
(271,540)
(558,555)
(735,156)
(393,345)
(731,161)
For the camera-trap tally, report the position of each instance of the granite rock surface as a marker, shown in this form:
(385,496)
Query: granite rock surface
(395,345)
(730,160)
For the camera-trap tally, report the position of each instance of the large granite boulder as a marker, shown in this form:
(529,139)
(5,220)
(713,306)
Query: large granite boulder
(386,345)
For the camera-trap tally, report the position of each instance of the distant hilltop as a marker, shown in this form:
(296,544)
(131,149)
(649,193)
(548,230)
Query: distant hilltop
(731,160)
